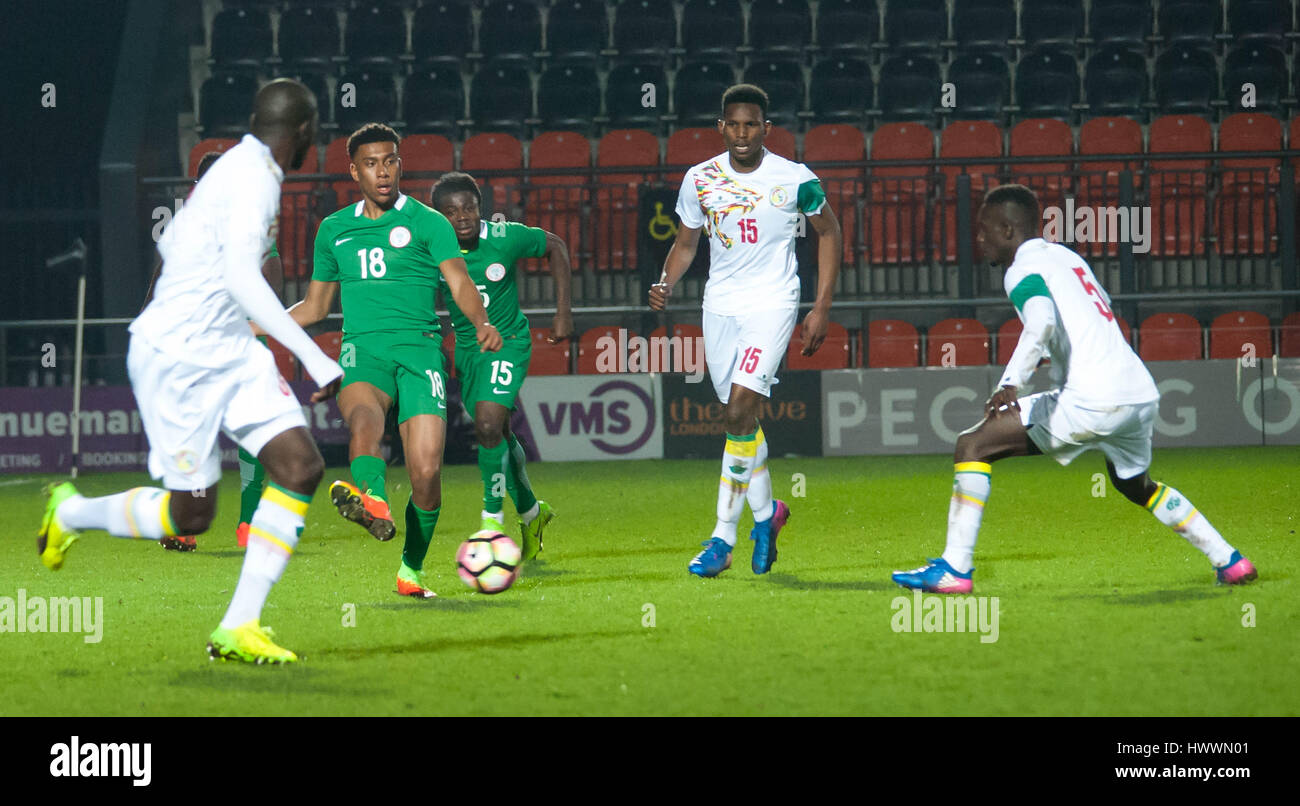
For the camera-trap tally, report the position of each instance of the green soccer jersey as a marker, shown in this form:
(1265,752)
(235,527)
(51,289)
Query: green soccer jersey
(387,267)
(492,269)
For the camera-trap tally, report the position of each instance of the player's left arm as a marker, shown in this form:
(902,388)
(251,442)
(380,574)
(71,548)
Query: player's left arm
(557,255)
(1039,314)
(470,302)
(830,248)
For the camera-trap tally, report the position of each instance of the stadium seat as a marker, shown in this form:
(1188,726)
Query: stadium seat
(892,343)
(495,151)
(1051,22)
(1047,84)
(644,29)
(697,97)
(1099,179)
(501,98)
(576,31)
(780,141)
(833,354)
(839,143)
(285,361)
(1258,64)
(346,190)
(1189,22)
(624,97)
(241,38)
(568,97)
(683,333)
(510,30)
(589,351)
(897,195)
(1116,81)
(687,147)
(957,343)
(1177,187)
(909,88)
(425,152)
(847,27)
(1262,21)
(218,144)
(783,82)
(374,98)
(615,209)
(376,34)
(1289,336)
(1231,332)
(555,201)
(984,25)
(434,100)
(1246,207)
(548,359)
(779,27)
(1120,22)
(1170,337)
(712,29)
(983,84)
(1042,137)
(1187,80)
(841,90)
(225,102)
(330,342)
(916,25)
(442,32)
(969,140)
(309,37)
(1008,337)
(316,83)
(298,218)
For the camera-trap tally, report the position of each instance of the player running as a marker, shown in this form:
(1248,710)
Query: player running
(387,253)
(490,383)
(196,370)
(750,201)
(1108,402)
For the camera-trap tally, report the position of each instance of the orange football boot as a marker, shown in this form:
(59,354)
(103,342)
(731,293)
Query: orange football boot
(362,508)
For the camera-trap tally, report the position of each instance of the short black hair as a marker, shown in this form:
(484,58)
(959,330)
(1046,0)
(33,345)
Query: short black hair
(371,133)
(1018,196)
(454,182)
(205,162)
(745,94)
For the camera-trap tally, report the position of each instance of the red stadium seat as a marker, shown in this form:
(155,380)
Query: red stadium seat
(330,342)
(892,343)
(838,142)
(588,351)
(616,195)
(548,359)
(1178,186)
(425,152)
(1231,332)
(218,144)
(684,333)
(1170,337)
(966,139)
(1246,208)
(833,354)
(284,360)
(1125,329)
(298,220)
(1042,137)
(337,161)
(1289,336)
(781,143)
(1099,183)
(1008,337)
(897,194)
(963,342)
(496,151)
(691,146)
(555,201)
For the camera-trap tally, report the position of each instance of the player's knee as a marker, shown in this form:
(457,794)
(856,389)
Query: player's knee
(424,471)
(193,520)
(740,420)
(1138,489)
(489,432)
(301,473)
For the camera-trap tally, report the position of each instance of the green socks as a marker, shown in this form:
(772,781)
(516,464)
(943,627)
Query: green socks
(251,476)
(495,470)
(517,479)
(419,533)
(368,473)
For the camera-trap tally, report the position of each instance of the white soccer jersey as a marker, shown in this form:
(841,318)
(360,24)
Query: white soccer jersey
(211,281)
(751,220)
(1086,345)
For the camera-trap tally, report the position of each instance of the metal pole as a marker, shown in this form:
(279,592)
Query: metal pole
(77,253)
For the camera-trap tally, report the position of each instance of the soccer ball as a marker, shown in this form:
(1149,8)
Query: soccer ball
(488,561)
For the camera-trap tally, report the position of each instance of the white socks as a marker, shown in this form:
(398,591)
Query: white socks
(970,490)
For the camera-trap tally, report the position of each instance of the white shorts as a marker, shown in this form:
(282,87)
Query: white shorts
(184,407)
(1063,429)
(746,350)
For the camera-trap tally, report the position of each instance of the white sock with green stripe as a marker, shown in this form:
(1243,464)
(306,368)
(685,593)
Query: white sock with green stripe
(1174,510)
(760,482)
(272,537)
(138,512)
(970,490)
(738,461)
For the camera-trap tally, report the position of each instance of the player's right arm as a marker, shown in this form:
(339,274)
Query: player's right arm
(1028,292)
(316,305)
(682,253)
(470,302)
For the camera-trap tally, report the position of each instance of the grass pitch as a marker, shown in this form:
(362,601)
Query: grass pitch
(1102,610)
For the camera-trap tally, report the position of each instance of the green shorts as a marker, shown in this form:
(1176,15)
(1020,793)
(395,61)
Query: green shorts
(494,377)
(408,367)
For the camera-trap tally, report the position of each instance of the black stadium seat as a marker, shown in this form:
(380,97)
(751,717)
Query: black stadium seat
(697,98)
(909,88)
(841,90)
(712,29)
(376,34)
(1051,22)
(1047,84)
(916,24)
(576,30)
(1187,80)
(1257,64)
(442,32)
(510,30)
(315,82)
(374,99)
(783,82)
(1120,22)
(779,27)
(241,37)
(983,84)
(500,98)
(644,30)
(984,25)
(847,27)
(225,102)
(1116,81)
(1259,21)
(309,37)
(624,96)
(1192,22)
(568,97)
(434,99)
